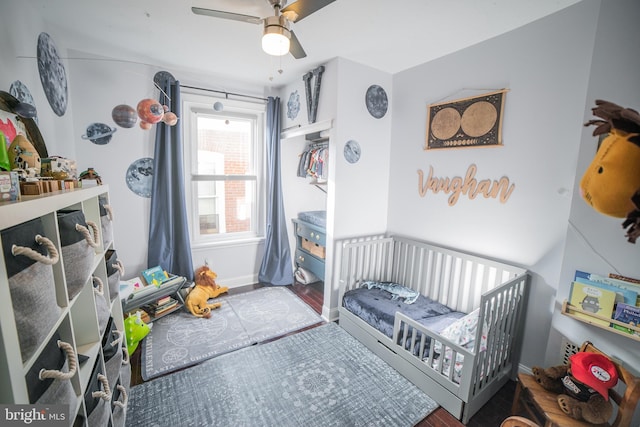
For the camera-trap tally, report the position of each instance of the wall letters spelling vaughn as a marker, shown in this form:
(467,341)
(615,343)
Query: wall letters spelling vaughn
(469,186)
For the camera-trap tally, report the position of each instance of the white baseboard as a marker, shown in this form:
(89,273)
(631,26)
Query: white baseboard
(525,369)
(238,282)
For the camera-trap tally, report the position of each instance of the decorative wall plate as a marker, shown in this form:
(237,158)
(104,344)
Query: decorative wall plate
(293,105)
(140,177)
(352,151)
(52,74)
(376,100)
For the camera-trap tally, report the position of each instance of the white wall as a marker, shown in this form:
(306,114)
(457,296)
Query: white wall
(358,191)
(596,242)
(19,31)
(545,65)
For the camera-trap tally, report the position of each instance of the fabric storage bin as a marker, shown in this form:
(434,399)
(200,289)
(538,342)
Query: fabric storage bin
(97,397)
(115,271)
(125,369)
(102,305)
(78,245)
(106,222)
(29,258)
(119,402)
(112,353)
(49,379)
(101,414)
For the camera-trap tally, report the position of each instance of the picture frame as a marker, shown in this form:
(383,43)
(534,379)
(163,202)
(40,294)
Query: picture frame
(468,122)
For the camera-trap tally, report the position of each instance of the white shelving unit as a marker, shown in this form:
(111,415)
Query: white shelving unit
(78,322)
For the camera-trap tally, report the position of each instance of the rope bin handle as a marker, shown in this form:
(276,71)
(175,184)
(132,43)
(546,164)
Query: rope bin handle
(118,266)
(100,289)
(117,340)
(125,355)
(57,374)
(109,211)
(91,240)
(124,397)
(35,255)
(105,393)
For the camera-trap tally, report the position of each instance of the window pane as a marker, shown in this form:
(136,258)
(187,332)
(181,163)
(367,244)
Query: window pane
(229,214)
(224,146)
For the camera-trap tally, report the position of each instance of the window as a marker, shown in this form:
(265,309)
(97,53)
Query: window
(223,156)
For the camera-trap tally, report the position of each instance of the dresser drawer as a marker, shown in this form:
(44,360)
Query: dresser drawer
(310,232)
(311,263)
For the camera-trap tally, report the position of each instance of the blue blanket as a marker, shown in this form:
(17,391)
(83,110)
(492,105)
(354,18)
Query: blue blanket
(377,308)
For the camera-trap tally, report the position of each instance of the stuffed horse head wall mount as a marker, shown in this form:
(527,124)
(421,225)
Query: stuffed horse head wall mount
(205,287)
(611,183)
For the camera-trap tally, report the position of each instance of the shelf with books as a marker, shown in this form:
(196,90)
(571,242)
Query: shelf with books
(151,293)
(601,322)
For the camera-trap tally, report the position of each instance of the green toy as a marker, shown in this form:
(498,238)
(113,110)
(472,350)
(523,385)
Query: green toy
(136,330)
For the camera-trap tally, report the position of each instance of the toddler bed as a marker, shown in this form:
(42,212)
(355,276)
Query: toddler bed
(448,321)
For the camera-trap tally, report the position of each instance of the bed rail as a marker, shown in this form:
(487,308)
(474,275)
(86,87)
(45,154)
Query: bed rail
(467,373)
(453,278)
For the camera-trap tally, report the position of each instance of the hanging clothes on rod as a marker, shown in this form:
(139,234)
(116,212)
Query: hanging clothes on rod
(314,162)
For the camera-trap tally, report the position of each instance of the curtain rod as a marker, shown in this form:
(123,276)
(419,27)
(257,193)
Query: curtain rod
(226,93)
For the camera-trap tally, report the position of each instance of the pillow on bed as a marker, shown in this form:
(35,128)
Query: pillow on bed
(463,331)
(397,291)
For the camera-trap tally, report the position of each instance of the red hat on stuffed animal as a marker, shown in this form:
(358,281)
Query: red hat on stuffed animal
(595,371)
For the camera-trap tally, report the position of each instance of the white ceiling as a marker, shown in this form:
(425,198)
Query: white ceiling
(388,35)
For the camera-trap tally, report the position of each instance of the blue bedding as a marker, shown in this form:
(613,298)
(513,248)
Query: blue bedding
(318,218)
(376,307)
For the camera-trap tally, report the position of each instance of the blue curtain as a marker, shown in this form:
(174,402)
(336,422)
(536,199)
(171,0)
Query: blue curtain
(276,268)
(169,244)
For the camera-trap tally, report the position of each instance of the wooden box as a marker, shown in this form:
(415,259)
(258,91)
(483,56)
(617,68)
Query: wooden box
(313,248)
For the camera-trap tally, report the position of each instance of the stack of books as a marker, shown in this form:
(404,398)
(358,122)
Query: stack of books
(161,306)
(613,297)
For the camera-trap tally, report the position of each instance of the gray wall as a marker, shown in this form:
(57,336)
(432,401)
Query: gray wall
(545,65)
(595,242)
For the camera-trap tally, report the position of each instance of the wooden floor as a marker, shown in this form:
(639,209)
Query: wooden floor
(491,415)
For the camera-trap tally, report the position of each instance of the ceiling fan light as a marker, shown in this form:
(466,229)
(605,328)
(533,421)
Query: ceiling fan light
(276,38)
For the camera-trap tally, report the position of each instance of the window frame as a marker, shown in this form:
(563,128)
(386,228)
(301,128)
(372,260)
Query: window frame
(194,104)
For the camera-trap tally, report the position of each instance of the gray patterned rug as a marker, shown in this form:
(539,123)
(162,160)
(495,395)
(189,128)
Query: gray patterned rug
(319,377)
(180,339)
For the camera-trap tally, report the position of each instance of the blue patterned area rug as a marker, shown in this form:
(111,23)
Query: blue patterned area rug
(318,377)
(180,339)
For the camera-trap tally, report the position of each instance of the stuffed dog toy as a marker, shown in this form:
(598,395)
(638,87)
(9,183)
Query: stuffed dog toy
(582,386)
(205,287)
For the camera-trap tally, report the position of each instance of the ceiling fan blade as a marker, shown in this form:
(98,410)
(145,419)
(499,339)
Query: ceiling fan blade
(226,15)
(304,8)
(295,48)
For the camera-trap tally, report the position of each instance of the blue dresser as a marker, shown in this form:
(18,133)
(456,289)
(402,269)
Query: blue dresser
(310,246)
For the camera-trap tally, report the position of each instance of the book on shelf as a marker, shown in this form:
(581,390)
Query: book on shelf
(628,314)
(163,300)
(593,299)
(154,275)
(627,283)
(156,309)
(626,293)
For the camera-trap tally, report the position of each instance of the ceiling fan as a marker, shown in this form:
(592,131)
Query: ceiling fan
(278,39)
